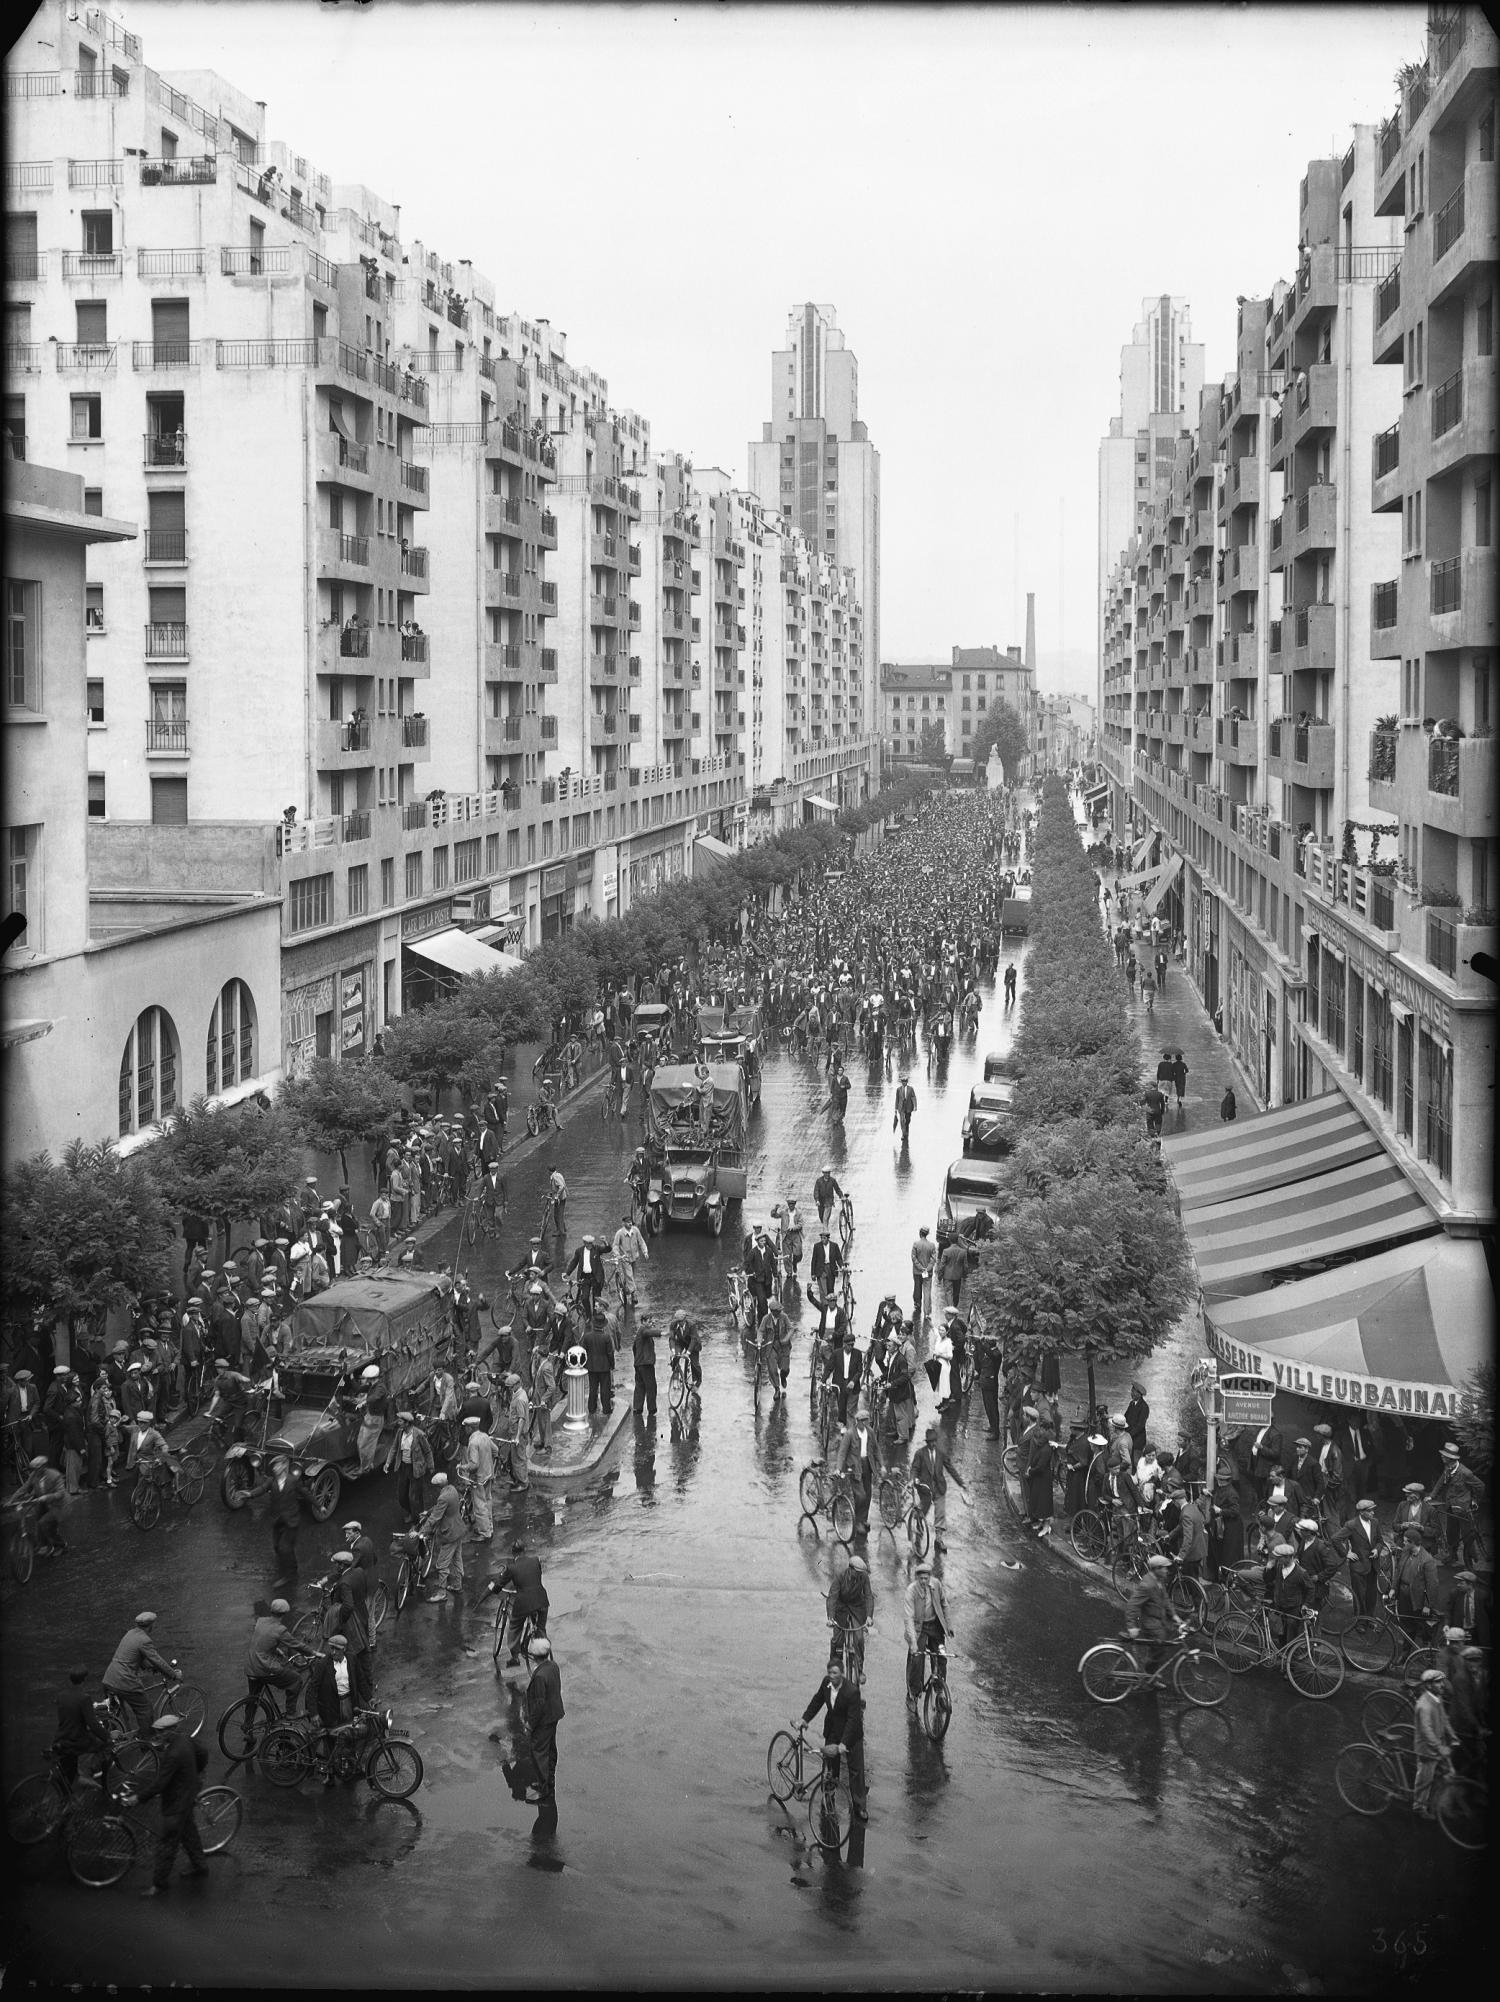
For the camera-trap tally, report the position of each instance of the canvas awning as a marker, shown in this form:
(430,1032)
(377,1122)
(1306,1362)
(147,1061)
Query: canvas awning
(490,935)
(459,952)
(1238,1245)
(1138,853)
(1400,1332)
(1096,792)
(823,805)
(708,848)
(340,423)
(1164,881)
(1140,878)
(1272,1150)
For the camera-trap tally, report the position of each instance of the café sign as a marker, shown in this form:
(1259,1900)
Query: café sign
(1367,1393)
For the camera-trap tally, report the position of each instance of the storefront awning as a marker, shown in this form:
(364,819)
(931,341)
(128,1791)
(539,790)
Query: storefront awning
(1139,878)
(1238,1245)
(1095,792)
(459,952)
(1138,853)
(816,799)
(1400,1332)
(24,1029)
(707,848)
(1270,1151)
(1164,881)
(489,935)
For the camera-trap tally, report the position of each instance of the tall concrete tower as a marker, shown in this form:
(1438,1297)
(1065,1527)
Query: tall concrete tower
(1031,636)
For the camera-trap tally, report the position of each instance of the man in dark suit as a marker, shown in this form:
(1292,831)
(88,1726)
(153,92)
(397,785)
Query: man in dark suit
(1354,1442)
(825,1266)
(79,1730)
(1304,1470)
(176,1786)
(544,1712)
(844,1373)
(1265,1457)
(353,1620)
(843,1728)
(1361,1540)
(599,1348)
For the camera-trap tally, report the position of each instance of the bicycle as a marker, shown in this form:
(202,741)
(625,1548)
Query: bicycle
(183,1482)
(846,1222)
(246,1721)
(414,1566)
(197,1382)
(485,1204)
(821,1492)
(741,1306)
(1113,1670)
(1242,1640)
(899,1499)
(1458,1529)
(825,1412)
(20,1522)
(830,1804)
(1390,1716)
(1374,1642)
(681,1388)
(39,1805)
(311,1628)
(847,1648)
(367,1748)
(506,1601)
(1369,1777)
(927,1690)
(181,1699)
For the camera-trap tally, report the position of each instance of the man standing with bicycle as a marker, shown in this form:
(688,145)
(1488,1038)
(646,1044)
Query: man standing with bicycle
(627,1247)
(773,1334)
(1152,1624)
(930,1468)
(843,1730)
(523,1577)
(176,1786)
(827,1263)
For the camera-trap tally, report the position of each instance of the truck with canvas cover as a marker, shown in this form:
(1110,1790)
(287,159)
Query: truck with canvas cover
(695,1126)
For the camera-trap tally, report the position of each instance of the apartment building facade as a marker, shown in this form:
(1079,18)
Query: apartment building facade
(409,589)
(1299,650)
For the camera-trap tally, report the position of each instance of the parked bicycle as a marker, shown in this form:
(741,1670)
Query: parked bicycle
(1243,1640)
(159,1481)
(414,1559)
(1377,1642)
(830,1804)
(1113,1670)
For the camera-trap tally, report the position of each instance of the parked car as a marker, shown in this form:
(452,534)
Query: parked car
(970,1188)
(999,1064)
(988,1127)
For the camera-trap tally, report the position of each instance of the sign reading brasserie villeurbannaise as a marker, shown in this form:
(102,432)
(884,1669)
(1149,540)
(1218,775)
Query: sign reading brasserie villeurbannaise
(1370,1393)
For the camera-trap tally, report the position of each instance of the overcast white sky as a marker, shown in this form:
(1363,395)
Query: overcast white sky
(985,196)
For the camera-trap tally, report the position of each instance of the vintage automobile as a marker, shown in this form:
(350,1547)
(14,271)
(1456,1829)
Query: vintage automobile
(999,1064)
(653,1019)
(970,1188)
(695,1123)
(399,1320)
(734,1036)
(988,1127)
(1015,912)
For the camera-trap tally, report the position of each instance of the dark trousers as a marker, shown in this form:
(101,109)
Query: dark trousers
(177,1830)
(411,1493)
(861,1487)
(1366,1589)
(284,1548)
(645,1388)
(544,1753)
(989,1390)
(601,1390)
(362,1674)
(853,1757)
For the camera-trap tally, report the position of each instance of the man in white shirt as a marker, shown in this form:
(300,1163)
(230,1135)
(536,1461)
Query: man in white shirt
(479,1465)
(628,1246)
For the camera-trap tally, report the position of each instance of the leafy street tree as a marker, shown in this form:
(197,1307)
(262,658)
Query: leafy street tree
(1002,727)
(1474,1429)
(227,1162)
(932,745)
(78,1236)
(444,1045)
(335,1105)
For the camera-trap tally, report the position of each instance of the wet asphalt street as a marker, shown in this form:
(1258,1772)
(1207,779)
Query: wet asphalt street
(1047,1844)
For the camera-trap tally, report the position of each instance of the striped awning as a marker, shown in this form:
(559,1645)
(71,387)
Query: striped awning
(1269,1151)
(1238,1246)
(1164,882)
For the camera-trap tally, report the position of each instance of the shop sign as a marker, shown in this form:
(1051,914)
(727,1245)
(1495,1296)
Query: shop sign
(352,994)
(1245,1400)
(553,881)
(416,924)
(1368,1393)
(1380,969)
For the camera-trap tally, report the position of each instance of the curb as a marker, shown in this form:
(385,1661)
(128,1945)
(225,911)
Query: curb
(557,1477)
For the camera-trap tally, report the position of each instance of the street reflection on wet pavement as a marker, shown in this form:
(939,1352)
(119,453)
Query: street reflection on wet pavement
(1047,1843)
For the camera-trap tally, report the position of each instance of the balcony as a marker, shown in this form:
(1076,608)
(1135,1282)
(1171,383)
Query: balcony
(1302,754)
(167,740)
(414,649)
(413,562)
(1387,342)
(1382,771)
(603,726)
(1243,484)
(352,458)
(1463,418)
(1236,740)
(355,825)
(1243,568)
(256,261)
(633,563)
(354,735)
(94,266)
(413,815)
(635,615)
(339,551)
(603,610)
(200,170)
(547,530)
(166,639)
(502,662)
(1464,234)
(1312,401)
(604,666)
(507,441)
(1461,786)
(1310,631)
(1385,612)
(85,357)
(415,736)
(354,643)
(1310,520)
(549,729)
(549,663)
(1385,472)
(165,545)
(413,478)
(549,599)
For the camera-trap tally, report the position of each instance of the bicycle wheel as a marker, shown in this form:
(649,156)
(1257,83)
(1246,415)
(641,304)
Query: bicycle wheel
(888,1500)
(145,1504)
(240,1728)
(1201,1678)
(1387,1718)
(1109,1672)
(830,1813)
(285,1755)
(136,1762)
(395,1769)
(937,1709)
(1314,1668)
(843,1518)
(380,1605)
(22,1556)
(1012,1459)
(471,1226)
(917,1532)
(218,1811)
(34,1809)
(100,1848)
(1416,1664)
(191,1482)
(1461,1812)
(1088,1535)
(1363,1775)
(192,1390)
(1126,1570)
(1368,1644)
(185,1700)
(810,1491)
(782,1766)
(532,1126)
(403,1583)
(1239,1642)
(1188,1600)
(677,1389)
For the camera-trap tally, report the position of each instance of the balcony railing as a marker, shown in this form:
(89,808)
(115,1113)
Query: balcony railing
(354,458)
(549,729)
(165,448)
(167,639)
(1442,945)
(1448,404)
(1384,600)
(414,646)
(549,660)
(355,736)
(94,356)
(187,263)
(549,596)
(1442,765)
(413,561)
(166,545)
(96,173)
(198,171)
(1383,757)
(93,264)
(413,478)
(353,548)
(507,583)
(1387,451)
(354,643)
(1387,296)
(1448,224)
(510,727)
(170,737)
(414,732)
(413,815)
(33,83)
(151,355)
(1446,586)
(356,824)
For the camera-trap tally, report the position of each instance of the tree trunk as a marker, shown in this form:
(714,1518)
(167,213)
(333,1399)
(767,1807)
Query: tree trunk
(343,1165)
(1088,1356)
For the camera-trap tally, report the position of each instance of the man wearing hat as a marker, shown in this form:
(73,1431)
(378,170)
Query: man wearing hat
(1288,1589)
(175,1784)
(930,1469)
(923,1263)
(1137,1415)
(843,1728)
(269,1656)
(586,1268)
(1330,1471)
(1319,1558)
(411,1456)
(854,1455)
(1305,1475)
(1435,1739)
(1361,1541)
(1469,1607)
(126,1674)
(478,1464)
(543,1707)
(330,1695)
(362,1549)
(1150,1620)
(1035,1452)
(1418,1592)
(844,1370)
(1413,1511)
(445,1521)
(352,1620)
(924,1617)
(1455,1502)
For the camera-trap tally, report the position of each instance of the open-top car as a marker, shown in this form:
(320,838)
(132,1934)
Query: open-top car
(973,1197)
(733,1036)
(988,1126)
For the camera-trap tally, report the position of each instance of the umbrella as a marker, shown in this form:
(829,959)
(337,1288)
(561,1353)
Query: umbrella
(1171,1055)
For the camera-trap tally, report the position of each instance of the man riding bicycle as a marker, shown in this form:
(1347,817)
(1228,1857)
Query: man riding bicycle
(684,1340)
(1151,1623)
(925,1619)
(273,1658)
(851,1607)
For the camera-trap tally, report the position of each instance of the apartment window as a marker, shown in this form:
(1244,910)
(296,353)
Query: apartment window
(23,880)
(98,232)
(15,412)
(359,890)
(23,644)
(93,608)
(93,500)
(168,144)
(1484,339)
(531,844)
(96,795)
(547,839)
(466,860)
(513,846)
(1481,514)
(387,882)
(91,317)
(414,874)
(1437,1103)
(1481,703)
(491,850)
(230,1048)
(148,1071)
(94,697)
(1487,135)
(87,418)
(169,802)
(439,868)
(310,902)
